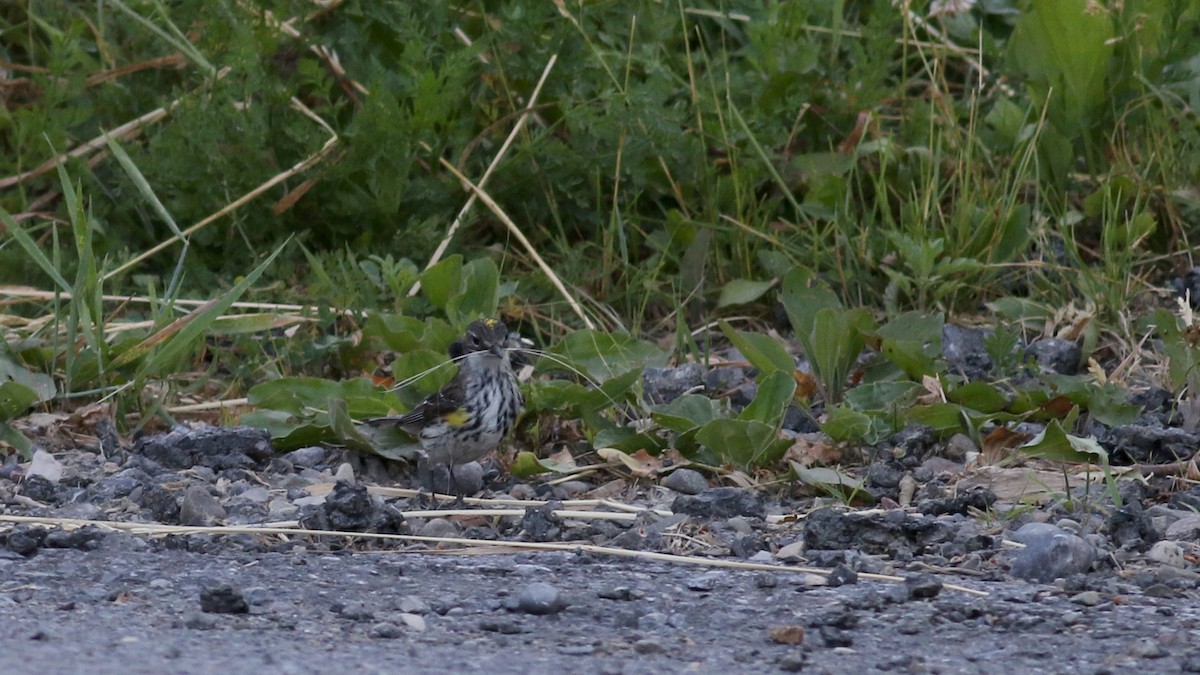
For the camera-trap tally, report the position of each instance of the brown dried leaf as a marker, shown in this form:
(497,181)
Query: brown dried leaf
(807,452)
(787,635)
(999,444)
(640,463)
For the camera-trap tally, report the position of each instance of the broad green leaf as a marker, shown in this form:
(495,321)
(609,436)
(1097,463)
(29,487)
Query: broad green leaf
(742,291)
(743,443)
(443,281)
(527,465)
(602,355)
(289,431)
(344,428)
(15,399)
(41,383)
(883,395)
(628,440)
(847,426)
(1071,70)
(1109,403)
(478,294)
(944,418)
(1054,443)
(909,356)
(762,351)
(686,412)
(775,392)
(17,440)
(802,302)
(979,396)
(914,327)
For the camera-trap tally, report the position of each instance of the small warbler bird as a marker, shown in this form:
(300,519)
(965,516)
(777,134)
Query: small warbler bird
(471,415)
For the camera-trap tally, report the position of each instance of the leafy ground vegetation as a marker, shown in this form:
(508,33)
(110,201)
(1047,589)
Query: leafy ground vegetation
(282,212)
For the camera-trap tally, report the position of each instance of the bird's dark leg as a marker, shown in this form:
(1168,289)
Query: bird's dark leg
(458,502)
(425,482)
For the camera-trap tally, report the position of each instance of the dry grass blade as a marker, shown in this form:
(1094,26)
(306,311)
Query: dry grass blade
(158,529)
(512,136)
(304,165)
(522,239)
(122,132)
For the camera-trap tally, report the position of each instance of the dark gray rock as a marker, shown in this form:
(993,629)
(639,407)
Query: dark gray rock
(540,522)
(199,508)
(893,533)
(1130,527)
(1148,441)
(1050,553)
(923,586)
(842,575)
(686,481)
(86,538)
(223,599)
(307,457)
(25,539)
(1053,354)
(540,598)
(239,447)
(663,385)
(965,349)
(722,502)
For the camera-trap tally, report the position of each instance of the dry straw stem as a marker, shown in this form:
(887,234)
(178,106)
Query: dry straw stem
(304,165)
(512,136)
(162,530)
(320,51)
(122,132)
(25,293)
(522,239)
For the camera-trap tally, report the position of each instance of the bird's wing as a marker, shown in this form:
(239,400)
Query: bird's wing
(434,407)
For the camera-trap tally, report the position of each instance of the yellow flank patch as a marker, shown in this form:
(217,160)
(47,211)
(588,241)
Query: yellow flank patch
(457,418)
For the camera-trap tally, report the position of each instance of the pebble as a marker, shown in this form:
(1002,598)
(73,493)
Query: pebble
(704,582)
(414,622)
(793,552)
(45,465)
(198,621)
(649,646)
(1050,553)
(411,604)
(1087,598)
(842,575)
(439,527)
(199,508)
(281,509)
(344,472)
(385,630)
(1147,648)
(540,598)
(792,662)
(686,481)
(1167,553)
(306,457)
(787,635)
(623,593)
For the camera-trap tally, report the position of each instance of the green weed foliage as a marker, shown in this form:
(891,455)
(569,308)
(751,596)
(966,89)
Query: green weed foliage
(872,167)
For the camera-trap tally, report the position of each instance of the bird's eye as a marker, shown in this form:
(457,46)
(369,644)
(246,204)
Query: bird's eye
(473,340)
